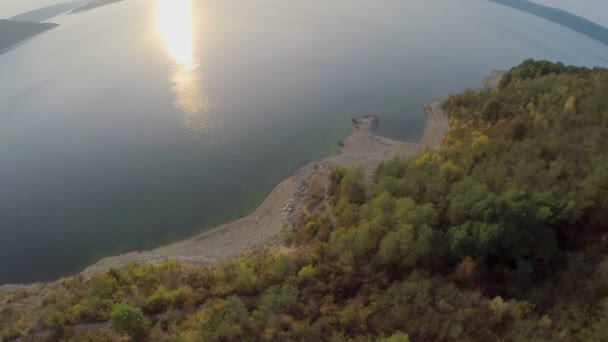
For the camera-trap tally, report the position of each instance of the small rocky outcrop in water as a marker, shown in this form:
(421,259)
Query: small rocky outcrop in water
(369,124)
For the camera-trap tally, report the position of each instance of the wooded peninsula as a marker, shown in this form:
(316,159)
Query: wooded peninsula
(500,234)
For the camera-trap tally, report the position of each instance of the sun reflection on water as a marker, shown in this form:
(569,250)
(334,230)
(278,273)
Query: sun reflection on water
(175,26)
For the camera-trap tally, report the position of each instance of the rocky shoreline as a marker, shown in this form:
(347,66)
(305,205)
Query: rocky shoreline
(492,80)
(280,211)
(364,147)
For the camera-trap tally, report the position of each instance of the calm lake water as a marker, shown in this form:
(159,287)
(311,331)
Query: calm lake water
(148,121)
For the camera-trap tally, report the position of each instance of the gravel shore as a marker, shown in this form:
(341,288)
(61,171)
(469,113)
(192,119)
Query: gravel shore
(364,147)
(492,80)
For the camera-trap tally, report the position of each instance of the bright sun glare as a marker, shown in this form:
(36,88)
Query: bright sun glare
(174,24)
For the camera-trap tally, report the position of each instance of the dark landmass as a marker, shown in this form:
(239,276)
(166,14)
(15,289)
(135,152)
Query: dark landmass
(14,32)
(499,233)
(45,13)
(94,4)
(560,17)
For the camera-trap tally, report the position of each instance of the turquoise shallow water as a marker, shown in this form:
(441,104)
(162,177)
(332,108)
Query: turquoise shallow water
(137,124)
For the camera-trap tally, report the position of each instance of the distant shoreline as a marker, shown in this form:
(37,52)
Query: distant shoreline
(28,30)
(93,5)
(365,147)
(33,23)
(560,17)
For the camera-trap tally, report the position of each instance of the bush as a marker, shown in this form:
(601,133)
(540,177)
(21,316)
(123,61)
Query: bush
(159,301)
(129,320)
(55,319)
(396,337)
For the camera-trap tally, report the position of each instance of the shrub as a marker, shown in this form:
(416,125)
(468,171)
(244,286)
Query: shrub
(129,320)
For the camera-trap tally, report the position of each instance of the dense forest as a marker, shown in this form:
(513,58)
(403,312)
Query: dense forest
(499,235)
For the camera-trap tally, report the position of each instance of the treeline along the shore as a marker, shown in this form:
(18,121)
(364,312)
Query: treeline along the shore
(501,234)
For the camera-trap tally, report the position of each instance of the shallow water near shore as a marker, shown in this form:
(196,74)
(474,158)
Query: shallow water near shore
(133,125)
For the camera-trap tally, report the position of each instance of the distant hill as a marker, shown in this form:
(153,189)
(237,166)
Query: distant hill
(94,4)
(560,17)
(45,13)
(13,32)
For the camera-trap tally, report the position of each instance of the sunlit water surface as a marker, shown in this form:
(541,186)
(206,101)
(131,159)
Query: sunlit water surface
(147,121)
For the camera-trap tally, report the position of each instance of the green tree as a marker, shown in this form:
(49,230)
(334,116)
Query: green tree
(55,319)
(129,320)
(396,337)
(225,320)
(406,246)
(352,187)
(159,301)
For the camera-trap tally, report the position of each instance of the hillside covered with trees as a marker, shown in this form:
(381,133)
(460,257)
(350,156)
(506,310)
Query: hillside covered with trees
(500,235)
